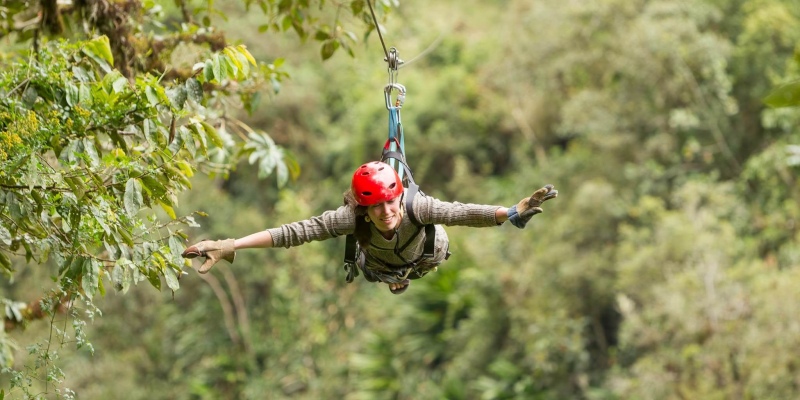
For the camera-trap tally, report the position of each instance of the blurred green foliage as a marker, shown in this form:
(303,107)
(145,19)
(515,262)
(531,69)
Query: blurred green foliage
(667,268)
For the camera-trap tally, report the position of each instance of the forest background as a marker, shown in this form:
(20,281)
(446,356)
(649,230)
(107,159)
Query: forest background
(667,268)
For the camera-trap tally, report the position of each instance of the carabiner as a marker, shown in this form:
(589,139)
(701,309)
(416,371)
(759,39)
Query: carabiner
(401,96)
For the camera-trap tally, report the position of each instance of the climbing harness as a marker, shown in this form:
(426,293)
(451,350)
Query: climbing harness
(393,154)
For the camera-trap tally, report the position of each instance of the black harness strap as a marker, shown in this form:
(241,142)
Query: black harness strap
(430,229)
(430,241)
(394,155)
(350,251)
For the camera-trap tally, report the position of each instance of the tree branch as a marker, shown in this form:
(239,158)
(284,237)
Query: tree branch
(239,303)
(227,310)
(34,311)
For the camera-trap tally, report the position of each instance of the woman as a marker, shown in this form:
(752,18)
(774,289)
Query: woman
(391,246)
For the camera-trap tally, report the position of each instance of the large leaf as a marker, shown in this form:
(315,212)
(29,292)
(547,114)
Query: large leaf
(5,235)
(100,52)
(178,96)
(90,277)
(194,90)
(101,47)
(133,197)
(5,264)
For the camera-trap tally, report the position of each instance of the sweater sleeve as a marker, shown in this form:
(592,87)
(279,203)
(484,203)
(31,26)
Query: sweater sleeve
(429,210)
(330,224)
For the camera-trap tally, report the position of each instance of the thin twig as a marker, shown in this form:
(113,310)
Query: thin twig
(227,310)
(241,307)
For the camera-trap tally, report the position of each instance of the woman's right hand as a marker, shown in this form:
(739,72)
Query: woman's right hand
(213,251)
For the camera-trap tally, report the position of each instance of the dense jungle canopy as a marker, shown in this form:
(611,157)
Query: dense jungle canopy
(668,267)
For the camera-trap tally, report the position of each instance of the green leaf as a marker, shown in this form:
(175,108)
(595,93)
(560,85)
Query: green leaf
(198,133)
(112,248)
(328,48)
(127,275)
(252,102)
(212,134)
(90,277)
(152,96)
(150,131)
(74,270)
(118,274)
(168,209)
(5,263)
(153,278)
(246,53)
(101,288)
(101,217)
(100,60)
(119,84)
(194,90)
(77,185)
(85,95)
(101,47)
(29,96)
(91,151)
(72,94)
(5,235)
(297,24)
(233,54)
(282,173)
(245,65)
(286,23)
(208,71)
(133,197)
(188,141)
(171,278)
(153,186)
(357,6)
(787,95)
(231,69)
(322,35)
(28,251)
(81,74)
(177,97)
(176,248)
(217,68)
(185,167)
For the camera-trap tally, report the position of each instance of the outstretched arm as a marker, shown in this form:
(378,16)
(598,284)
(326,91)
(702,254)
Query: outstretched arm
(258,240)
(215,250)
(330,224)
(433,211)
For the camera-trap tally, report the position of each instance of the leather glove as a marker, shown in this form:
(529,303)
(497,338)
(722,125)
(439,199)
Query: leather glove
(519,214)
(213,251)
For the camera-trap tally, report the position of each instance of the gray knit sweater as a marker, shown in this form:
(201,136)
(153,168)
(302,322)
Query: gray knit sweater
(381,253)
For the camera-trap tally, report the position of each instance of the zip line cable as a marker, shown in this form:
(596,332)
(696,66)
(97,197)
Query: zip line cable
(397,63)
(425,52)
(378,28)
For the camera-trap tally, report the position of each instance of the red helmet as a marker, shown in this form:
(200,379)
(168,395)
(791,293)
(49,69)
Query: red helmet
(376,182)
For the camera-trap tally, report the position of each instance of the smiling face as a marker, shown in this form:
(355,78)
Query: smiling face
(386,215)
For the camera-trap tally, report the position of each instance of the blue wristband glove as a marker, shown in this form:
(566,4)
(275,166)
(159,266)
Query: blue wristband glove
(518,220)
(519,214)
